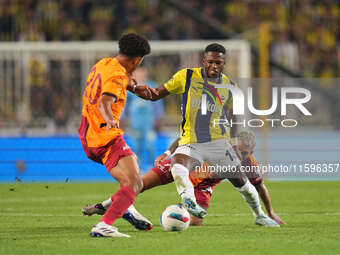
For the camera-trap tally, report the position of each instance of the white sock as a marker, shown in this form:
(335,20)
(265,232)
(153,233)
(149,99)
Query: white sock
(106,203)
(183,184)
(251,196)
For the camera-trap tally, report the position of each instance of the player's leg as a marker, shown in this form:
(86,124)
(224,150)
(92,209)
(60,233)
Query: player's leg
(236,177)
(150,179)
(126,172)
(180,165)
(202,198)
(154,177)
(251,196)
(229,161)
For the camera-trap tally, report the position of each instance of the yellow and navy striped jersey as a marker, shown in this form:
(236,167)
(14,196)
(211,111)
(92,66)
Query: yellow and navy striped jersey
(201,123)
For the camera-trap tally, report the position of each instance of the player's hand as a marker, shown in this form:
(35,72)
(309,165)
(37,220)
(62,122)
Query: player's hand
(275,217)
(145,91)
(161,159)
(111,124)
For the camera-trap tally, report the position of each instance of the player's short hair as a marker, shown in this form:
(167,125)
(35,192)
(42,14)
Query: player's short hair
(248,138)
(134,45)
(215,47)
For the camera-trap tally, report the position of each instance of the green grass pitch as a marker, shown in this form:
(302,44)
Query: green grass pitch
(46,219)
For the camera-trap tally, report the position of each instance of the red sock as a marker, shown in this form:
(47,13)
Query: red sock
(121,201)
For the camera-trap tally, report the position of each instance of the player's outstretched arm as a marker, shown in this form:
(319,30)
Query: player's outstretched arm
(142,91)
(167,153)
(264,195)
(161,92)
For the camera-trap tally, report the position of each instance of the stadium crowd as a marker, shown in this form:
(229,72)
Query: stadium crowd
(309,28)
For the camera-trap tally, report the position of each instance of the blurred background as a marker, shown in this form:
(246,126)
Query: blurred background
(47,48)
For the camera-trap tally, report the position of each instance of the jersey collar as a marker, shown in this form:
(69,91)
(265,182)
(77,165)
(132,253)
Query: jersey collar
(115,61)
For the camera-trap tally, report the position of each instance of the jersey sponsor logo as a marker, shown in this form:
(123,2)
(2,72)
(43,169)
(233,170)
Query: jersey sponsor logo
(197,103)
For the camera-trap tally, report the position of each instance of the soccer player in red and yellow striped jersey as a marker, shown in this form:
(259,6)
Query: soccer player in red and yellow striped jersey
(101,138)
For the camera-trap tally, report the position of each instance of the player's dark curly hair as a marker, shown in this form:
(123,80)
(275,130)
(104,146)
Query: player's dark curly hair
(215,47)
(133,45)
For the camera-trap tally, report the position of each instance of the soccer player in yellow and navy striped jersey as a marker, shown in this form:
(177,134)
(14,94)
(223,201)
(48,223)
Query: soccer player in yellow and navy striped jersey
(196,126)
(203,138)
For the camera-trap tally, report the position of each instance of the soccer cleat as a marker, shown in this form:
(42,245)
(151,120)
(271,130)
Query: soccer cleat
(193,208)
(104,230)
(136,219)
(93,209)
(265,221)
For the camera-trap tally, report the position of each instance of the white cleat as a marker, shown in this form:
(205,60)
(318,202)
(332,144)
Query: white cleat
(265,221)
(193,208)
(104,230)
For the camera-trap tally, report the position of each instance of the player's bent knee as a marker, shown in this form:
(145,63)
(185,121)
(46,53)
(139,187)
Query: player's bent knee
(238,182)
(135,183)
(179,170)
(139,185)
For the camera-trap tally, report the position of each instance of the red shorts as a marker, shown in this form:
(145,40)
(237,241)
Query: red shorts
(163,171)
(202,197)
(107,155)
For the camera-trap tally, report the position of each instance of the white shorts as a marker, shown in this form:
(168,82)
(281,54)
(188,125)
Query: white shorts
(217,153)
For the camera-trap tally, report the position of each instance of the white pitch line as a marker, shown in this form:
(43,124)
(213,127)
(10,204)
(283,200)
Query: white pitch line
(333,213)
(38,215)
(52,198)
(295,214)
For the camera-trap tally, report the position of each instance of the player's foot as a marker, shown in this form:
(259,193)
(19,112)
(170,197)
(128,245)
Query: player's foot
(193,208)
(104,230)
(93,209)
(264,220)
(136,219)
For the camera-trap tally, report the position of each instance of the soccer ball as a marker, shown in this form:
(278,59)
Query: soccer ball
(175,218)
